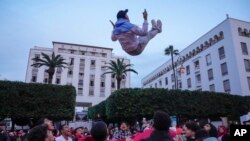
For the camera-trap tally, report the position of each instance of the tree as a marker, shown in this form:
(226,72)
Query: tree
(171,51)
(119,69)
(52,63)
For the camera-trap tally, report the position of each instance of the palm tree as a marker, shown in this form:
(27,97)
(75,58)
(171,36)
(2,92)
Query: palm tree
(171,51)
(52,63)
(118,69)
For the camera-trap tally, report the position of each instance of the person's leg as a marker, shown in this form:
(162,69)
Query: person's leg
(143,40)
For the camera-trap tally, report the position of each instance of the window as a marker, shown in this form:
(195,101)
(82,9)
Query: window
(166,81)
(123,77)
(104,54)
(244,48)
(198,78)
(91,82)
(172,77)
(70,72)
(248,80)
(91,92)
(72,51)
(221,53)
(226,85)
(179,85)
(57,80)
(189,82)
(102,84)
(45,80)
(92,63)
(79,92)
(210,74)
(80,82)
(224,69)
(197,64)
(208,59)
(113,84)
(113,75)
(33,79)
(188,69)
(82,52)
(212,87)
(71,61)
(82,61)
(247,65)
(37,56)
(59,70)
(160,83)
(80,74)
(155,85)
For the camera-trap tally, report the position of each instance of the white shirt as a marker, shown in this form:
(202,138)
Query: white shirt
(61,138)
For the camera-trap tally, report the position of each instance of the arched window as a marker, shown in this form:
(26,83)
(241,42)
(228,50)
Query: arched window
(216,38)
(221,34)
(197,50)
(194,52)
(245,32)
(211,41)
(202,47)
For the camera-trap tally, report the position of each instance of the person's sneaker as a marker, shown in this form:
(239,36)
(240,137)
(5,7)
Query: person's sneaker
(159,26)
(154,25)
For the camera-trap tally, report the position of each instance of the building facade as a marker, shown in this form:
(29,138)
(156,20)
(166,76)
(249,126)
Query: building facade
(217,61)
(84,71)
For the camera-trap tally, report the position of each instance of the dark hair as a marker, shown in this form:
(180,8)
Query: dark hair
(192,126)
(61,127)
(201,134)
(162,121)
(77,129)
(38,133)
(213,131)
(122,14)
(99,131)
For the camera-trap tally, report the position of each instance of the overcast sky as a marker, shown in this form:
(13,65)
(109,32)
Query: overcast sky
(28,23)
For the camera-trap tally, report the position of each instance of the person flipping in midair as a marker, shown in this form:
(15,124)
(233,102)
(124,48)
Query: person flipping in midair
(132,38)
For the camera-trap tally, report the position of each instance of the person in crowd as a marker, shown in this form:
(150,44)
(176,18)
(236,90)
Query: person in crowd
(211,129)
(56,133)
(161,125)
(3,135)
(86,132)
(123,133)
(40,133)
(222,133)
(65,133)
(46,121)
(202,135)
(79,134)
(190,129)
(99,131)
(20,136)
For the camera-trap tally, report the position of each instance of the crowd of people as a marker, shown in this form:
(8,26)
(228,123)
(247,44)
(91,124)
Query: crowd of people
(158,129)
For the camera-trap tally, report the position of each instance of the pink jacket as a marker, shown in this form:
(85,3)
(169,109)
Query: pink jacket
(129,40)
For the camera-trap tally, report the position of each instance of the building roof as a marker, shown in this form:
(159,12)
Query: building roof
(54,42)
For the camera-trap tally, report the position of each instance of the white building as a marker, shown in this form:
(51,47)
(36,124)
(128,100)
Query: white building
(85,68)
(217,61)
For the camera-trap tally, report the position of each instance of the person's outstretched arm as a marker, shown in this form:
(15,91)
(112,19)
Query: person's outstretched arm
(142,31)
(113,37)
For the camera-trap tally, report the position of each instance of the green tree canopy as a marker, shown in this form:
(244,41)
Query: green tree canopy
(53,62)
(119,69)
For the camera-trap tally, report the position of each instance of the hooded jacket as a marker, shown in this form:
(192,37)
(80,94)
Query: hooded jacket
(127,34)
